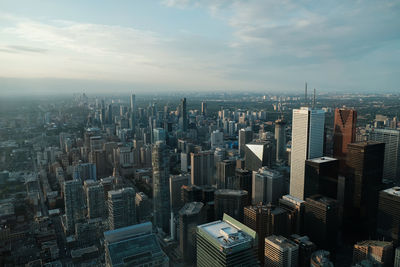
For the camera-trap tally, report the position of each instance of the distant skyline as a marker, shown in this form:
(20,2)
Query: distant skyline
(160,46)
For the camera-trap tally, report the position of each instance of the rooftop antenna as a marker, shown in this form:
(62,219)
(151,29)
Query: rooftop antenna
(313,104)
(305,96)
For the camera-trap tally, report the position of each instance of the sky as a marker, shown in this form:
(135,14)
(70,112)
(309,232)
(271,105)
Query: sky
(63,46)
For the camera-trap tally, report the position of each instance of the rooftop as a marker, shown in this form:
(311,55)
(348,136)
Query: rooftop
(281,242)
(191,208)
(374,243)
(231,192)
(322,159)
(395,191)
(225,234)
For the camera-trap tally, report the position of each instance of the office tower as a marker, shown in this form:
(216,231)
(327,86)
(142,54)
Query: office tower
(74,204)
(133,103)
(134,245)
(389,214)
(175,184)
(344,133)
(143,206)
(161,197)
(204,108)
(94,199)
(266,220)
(190,216)
(321,177)
(226,174)
(365,166)
(230,202)
(243,181)
(226,243)
(121,208)
(183,120)
(124,155)
(397,257)
(307,143)
(259,153)
(159,134)
(98,158)
(85,171)
(295,210)
(320,258)
(202,167)
(391,138)
(267,186)
(321,220)
(380,252)
(245,137)
(191,193)
(108,184)
(280,252)
(217,139)
(280,138)
(306,249)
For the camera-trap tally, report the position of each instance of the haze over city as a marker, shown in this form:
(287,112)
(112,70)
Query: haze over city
(181,45)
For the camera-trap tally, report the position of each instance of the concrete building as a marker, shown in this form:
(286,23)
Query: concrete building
(74,204)
(121,208)
(280,139)
(231,202)
(307,143)
(280,252)
(190,216)
(226,243)
(380,252)
(217,139)
(389,214)
(95,199)
(202,168)
(245,137)
(134,245)
(267,186)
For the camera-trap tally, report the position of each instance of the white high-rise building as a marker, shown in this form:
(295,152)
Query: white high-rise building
(307,143)
(391,138)
(217,139)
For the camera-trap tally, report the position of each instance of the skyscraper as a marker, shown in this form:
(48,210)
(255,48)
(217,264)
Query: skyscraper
(245,137)
(226,243)
(280,138)
(306,249)
(183,120)
(295,210)
(389,214)
(344,133)
(266,220)
(133,103)
(202,167)
(391,138)
(121,208)
(74,203)
(321,220)
(161,197)
(280,252)
(321,177)
(217,139)
(226,174)
(94,199)
(231,202)
(267,186)
(175,184)
(365,167)
(190,216)
(204,108)
(307,143)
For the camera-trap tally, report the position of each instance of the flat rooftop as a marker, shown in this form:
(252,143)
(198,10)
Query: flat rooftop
(191,208)
(281,242)
(226,234)
(322,159)
(395,191)
(231,192)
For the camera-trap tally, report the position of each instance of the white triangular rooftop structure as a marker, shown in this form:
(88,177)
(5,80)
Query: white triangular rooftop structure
(257,149)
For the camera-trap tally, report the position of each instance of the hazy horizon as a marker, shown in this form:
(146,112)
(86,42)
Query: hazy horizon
(63,47)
